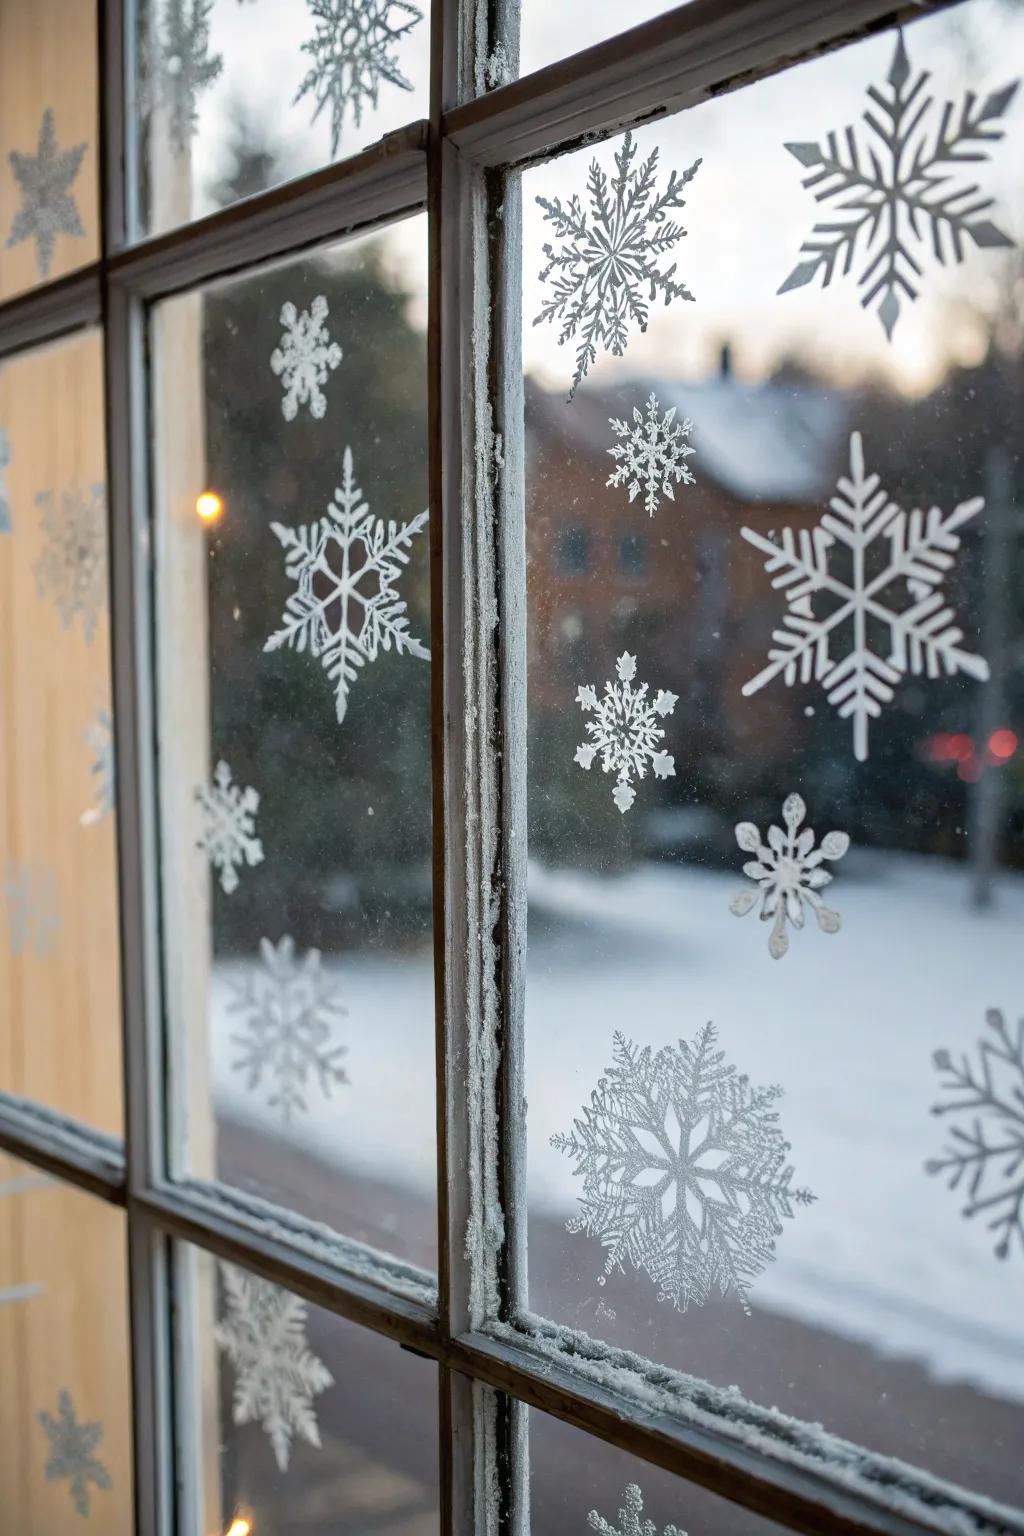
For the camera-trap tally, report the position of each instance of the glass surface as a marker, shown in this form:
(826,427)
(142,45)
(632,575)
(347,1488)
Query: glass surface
(551,29)
(239,97)
(294,1420)
(296,846)
(59,967)
(880,1308)
(65,1390)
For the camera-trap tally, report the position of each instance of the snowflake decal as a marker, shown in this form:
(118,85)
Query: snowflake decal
(100,740)
(652,454)
(684,1170)
(625,731)
(305,358)
(630,1523)
(345,567)
(599,273)
(32,920)
(277,1376)
(48,208)
(73,566)
(186,65)
(986,1156)
(900,599)
(788,873)
(5,505)
(897,189)
(229,826)
(353,51)
(71,1453)
(290,1010)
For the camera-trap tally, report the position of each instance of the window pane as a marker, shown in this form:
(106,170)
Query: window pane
(551,29)
(59,967)
(65,1392)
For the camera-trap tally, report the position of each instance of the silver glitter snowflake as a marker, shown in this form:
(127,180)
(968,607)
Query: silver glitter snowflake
(896,189)
(48,208)
(32,919)
(185,65)
(5,505)
(625,731)
(71,1453)
(630,1523)
(684,1170)
(353,52)
(229,826)
(788,873)
(652,454)
(305,358)
(986,1154)
(263,1333)
(599,273)
(346,607)
(100,740)
(868,565)
(290,1010)
(72,568)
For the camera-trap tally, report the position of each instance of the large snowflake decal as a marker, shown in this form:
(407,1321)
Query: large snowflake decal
(346,607)
(630,1523)
(5,505)
(100,739)
(684,1170)
(987,1155)
(625,731)
(72,568)
(263,1333)
(602,267)
(229,826)
(71,1453)
(48,208)
(32,918)
(305,358)
(353,51)
(186,65)
(896,189)
(290,1009)
(788,873)
(879,570)
(652,454)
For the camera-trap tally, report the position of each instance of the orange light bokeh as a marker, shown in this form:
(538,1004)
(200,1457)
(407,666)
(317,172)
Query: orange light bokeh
(209,508)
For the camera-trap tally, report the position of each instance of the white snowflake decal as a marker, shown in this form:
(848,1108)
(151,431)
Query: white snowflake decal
(32,920)
(625,731)
(186,65)
(987,1155)
(305,358)
(100,739)
(602,267)
(48,207)
(71,1453)
(353,52)
(896,189)
(345,567)
(229,826)
(829,581)
(290,1010)
(73,566)
(5,505)
(652,454)
(788,873)
(684,1170)
(630,1523)
(277,1376)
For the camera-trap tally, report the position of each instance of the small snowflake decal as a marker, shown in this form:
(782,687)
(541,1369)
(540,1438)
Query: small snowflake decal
(897,190)
(100,740)
(290,1009)
(652,454)
(353,51)
(602,268)
(305,358)
(986,1155)
(32,920)
(277,1376)
(73,566)
(684,1170)
(186,65)
(788,873)
(229,826)
(829,569)
(630,1523)
(5,505)
(48,208)
(625,731)
(71,1453)
(347,607)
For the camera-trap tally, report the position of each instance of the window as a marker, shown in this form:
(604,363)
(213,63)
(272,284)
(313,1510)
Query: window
(426,643)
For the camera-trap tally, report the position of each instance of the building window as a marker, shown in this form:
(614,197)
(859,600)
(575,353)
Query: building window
(572,551)
(633,556)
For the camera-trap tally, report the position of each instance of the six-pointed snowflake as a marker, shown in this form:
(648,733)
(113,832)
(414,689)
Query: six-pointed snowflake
(186,65)
(71,1453)
(263,1333)
(353,51)
(602,267)
(684,1170)
(100,739)
(652,454)
(879,570)
(896,189)
(625,731)
(630,1523)
(229,826)
(986,1155)
(48,208)
(73,566)
(5,505)
(788,872)
(290,1011)
(32,920)
(305,358)
(346,607)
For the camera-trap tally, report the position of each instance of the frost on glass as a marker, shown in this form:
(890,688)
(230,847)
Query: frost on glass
(305,358)
(651,454)
(228,837)
(624,732)
(45,181)
(73,1453)
(788,874)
